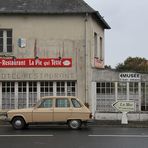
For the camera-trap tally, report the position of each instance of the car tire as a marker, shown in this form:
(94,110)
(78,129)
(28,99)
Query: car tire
(18,123)
(74,124)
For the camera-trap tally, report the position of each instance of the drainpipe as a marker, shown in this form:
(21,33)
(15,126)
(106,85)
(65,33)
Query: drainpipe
(86,60)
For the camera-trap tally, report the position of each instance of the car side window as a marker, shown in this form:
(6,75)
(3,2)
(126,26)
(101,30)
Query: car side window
(47,103)
(76,103)
(62,103)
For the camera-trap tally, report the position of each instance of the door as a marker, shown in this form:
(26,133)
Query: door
(44,112)
(62,110)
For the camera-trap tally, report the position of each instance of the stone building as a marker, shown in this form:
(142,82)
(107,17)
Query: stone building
(49,47)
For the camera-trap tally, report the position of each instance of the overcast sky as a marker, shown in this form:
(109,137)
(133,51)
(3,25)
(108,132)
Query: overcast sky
(128,36)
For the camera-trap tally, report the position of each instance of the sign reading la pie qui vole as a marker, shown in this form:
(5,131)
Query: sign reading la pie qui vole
(35,63)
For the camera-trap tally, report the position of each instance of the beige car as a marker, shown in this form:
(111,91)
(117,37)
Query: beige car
(67,110)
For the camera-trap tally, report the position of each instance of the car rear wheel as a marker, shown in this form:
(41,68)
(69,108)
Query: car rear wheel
(18,123)
(74,124)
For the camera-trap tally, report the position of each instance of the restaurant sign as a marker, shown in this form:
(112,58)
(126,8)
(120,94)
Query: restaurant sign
(35,63)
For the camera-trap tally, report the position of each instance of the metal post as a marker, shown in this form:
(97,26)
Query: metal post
(93,97)
(38,91)
(128,91)
(27,95)
(16,95)
(116,91)
(139,92)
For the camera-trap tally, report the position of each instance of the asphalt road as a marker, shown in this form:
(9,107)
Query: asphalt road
(63,137)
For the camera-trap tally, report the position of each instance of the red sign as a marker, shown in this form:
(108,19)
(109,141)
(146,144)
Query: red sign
(35,63)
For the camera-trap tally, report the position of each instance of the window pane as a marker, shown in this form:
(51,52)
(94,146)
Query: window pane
(9,41)
(9,48)
(62,103)
(9,33)
(1,41)
(1,48)
(1,33)
(75,103)
(46,103)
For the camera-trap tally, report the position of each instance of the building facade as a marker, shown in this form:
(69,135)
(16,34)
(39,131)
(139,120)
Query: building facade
(48,48)
(112,86)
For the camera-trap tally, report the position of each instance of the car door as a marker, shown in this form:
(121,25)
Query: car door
(62,110)
(44,112)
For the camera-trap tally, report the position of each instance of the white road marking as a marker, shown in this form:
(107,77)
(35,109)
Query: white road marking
(26,135)
(130,136)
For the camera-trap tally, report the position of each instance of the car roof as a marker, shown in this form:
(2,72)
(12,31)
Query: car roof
(56,97)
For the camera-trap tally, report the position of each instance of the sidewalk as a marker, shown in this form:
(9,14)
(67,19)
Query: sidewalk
(114,123)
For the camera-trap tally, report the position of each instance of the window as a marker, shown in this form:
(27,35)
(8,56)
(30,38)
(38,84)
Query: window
(144,96)
(46,88)
(95,45)
(47,103)
(60,89)
(122,88)
(71,89)
(22,94)
(133,88)
(5,40)
(75,103)
(101,48)
(8,95)
(32,93)
(106,88)
(62,103)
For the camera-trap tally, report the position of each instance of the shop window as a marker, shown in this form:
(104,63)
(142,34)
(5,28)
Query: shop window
(22,94)
(144,96)
(8,95)
(122,88)
(60,89)
(32,93)
(133,88)
(105,88)
(46,88)
(71,89)
(6,40)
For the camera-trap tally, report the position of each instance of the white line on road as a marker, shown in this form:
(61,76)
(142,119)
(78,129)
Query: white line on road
(26,135)
(130,136)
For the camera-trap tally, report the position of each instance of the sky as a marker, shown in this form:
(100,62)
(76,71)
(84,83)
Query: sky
(128,35)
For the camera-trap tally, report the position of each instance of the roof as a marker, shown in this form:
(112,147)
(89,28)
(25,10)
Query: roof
(49,7)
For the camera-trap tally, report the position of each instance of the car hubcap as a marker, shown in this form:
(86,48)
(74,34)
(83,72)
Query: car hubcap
(74,124)
(18,123)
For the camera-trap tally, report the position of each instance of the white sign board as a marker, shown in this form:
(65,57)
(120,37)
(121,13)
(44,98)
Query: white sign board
(124,106)
(130,77)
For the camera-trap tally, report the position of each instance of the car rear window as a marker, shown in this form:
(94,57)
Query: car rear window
(76,103)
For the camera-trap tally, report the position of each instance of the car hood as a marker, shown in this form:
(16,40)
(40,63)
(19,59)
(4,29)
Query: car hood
(20,110)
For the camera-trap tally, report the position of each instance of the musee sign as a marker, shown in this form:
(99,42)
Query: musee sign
(130,76)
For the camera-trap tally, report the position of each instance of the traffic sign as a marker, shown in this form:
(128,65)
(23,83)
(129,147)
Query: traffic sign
(124,106)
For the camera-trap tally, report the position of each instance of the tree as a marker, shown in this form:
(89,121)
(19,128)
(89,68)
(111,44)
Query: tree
(135,64)
(107,67)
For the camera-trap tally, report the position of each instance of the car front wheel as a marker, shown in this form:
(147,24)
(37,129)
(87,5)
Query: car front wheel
(74,124)
(18,123)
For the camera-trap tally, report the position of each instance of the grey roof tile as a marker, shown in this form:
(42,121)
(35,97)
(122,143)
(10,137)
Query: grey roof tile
(48,7)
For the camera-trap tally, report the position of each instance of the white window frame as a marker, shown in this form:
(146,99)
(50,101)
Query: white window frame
(5,37)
